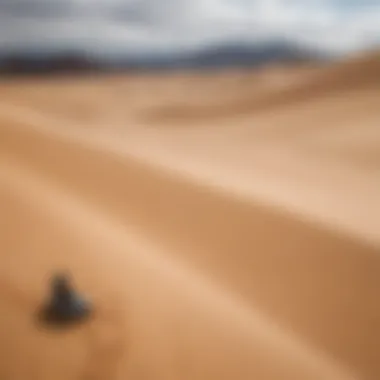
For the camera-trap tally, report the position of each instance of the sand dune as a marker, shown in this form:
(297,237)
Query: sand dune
(332,80)
(154,320)
(243,251)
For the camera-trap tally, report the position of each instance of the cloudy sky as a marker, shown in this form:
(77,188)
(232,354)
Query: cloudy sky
(146,25)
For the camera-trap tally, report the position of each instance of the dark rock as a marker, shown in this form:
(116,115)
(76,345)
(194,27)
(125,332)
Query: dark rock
(65,305)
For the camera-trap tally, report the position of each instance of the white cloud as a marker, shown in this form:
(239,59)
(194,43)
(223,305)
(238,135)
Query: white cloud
(337,25)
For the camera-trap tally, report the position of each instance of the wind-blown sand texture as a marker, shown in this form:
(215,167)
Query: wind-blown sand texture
(225,225)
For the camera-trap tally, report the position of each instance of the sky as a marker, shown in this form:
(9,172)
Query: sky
(109,26)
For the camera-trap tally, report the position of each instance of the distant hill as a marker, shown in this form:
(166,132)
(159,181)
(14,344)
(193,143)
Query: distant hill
(216,56)
(246,55)
(223,55)
(45,64)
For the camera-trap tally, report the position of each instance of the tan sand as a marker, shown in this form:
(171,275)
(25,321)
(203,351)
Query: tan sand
(235,247)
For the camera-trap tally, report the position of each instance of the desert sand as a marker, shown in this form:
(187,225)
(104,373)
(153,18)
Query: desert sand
(224,225)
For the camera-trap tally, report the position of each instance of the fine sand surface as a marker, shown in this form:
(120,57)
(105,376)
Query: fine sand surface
(225,225)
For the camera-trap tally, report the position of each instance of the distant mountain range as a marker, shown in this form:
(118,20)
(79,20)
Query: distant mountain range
(216,56)
(223,55)
(25,63)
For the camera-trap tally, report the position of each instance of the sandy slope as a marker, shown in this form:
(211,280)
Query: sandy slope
(243,247)
(155,319)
